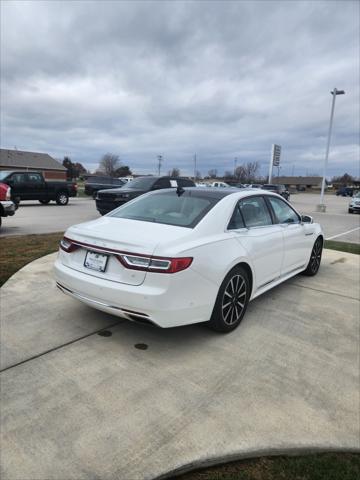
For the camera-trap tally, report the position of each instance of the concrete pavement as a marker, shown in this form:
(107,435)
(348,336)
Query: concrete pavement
(77,405)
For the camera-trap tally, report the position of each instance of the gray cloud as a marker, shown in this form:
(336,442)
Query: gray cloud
(222,79)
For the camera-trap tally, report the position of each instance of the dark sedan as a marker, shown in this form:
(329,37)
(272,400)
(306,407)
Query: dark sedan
(280,189)
(107,200)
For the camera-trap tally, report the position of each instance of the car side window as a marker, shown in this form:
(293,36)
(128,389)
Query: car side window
(255,212)
(34,178)
(283,212)
(184,182)
(161,183)
(236,220)
(18,178)
(116,181)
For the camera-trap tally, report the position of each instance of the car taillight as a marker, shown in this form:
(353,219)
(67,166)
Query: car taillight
(67,245)
(8,194)
(154,264)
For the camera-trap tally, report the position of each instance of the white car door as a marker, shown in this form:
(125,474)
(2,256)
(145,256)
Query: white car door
(297,238)
(262,239)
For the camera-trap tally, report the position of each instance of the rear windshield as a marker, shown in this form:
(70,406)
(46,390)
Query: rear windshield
(167,207)
(270,187)
(142,183)
(99,180)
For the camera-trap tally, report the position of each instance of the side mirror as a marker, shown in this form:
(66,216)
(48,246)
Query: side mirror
(306,219)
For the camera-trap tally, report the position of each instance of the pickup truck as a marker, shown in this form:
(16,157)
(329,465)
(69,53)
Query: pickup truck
(7,207)
(96,183)
(32,186)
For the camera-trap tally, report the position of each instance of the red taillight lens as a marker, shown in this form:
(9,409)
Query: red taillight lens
(67,245)
(154,264)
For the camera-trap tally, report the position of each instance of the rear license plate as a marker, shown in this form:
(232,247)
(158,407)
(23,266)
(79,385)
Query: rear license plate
(96,261)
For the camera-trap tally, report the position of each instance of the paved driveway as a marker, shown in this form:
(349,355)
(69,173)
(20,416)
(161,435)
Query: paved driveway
(32,217)
(78,405)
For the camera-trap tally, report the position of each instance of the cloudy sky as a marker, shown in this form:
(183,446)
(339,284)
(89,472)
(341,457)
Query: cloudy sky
(223,79)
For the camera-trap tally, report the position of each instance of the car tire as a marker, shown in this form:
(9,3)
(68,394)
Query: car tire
(315,258)
(62,198)
(350,210)
(231,301)
(44,202)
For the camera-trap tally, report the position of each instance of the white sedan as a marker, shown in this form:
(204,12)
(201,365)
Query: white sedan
(179,256)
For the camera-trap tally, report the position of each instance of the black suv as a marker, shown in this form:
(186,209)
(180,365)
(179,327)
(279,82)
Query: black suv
(96,183)
(107,200)
(280,189)
(345,192)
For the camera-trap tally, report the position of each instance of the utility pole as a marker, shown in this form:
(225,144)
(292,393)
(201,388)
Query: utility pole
(160,160)
(194,167)
(322,207)
(235,165)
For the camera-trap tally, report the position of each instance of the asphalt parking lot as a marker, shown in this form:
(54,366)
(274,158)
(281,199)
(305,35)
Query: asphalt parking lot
(32,217)
(79,404)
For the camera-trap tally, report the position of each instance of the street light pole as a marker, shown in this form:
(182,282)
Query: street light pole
(160,159)
(235,165)
(322,206)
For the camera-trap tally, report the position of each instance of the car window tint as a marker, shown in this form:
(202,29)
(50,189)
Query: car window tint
(236,220)
(167,207)
(162,183)
(283,212)
(255,212)
(184,182)
(18,178)
(34,178)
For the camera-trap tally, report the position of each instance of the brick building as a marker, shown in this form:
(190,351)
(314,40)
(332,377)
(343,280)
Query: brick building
(32,161)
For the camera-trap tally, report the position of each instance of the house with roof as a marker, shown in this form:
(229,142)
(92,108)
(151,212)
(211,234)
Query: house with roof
(32,162)
(299,183)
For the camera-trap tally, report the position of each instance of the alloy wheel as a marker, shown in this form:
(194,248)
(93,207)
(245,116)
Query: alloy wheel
(315,258)
(234,299)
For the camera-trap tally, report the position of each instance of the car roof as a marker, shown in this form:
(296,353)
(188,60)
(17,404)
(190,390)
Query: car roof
(219,193)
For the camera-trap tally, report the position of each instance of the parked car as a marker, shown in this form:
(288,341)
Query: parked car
(96,183)
(107,200)
(354,205)
(219,185)
(179,256)
(32,186)
(279,189)
(7,206)
(345,191)
(256,185)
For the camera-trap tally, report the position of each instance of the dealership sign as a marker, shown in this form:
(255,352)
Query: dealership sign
(276,151)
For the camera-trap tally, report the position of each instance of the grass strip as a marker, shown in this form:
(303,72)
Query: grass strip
(324,466)
(343,246)
(17,251)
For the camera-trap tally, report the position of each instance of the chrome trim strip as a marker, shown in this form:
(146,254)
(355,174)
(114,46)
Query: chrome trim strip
(125,312)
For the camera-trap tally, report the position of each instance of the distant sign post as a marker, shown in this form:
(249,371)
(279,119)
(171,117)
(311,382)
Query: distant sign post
(275,159)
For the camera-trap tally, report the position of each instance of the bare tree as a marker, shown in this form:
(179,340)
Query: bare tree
(212,173)
(175,172)
(109,163)
(248,172)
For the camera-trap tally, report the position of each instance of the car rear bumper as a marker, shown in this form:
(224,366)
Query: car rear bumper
(183,299)
(8,208)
